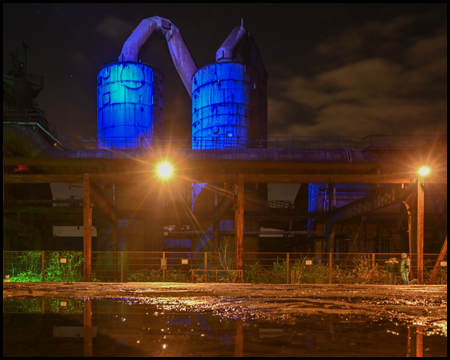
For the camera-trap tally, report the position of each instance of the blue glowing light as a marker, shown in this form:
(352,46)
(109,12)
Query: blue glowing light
(224,106)
(129,105)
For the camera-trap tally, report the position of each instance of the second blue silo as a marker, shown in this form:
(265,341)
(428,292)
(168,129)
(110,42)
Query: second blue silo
(226,97)
(129,105)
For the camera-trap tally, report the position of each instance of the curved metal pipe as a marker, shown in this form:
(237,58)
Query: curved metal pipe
(240,41)
(230,48)
(181,57)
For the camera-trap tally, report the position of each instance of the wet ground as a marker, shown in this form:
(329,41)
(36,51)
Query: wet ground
(151,319)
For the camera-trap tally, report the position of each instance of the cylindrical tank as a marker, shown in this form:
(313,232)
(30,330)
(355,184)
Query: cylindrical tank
(226,98)
(129,105)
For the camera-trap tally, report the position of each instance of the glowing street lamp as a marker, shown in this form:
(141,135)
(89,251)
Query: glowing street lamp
(424,171)
(164,170)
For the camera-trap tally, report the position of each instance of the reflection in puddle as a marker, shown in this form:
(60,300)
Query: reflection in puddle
(50,327)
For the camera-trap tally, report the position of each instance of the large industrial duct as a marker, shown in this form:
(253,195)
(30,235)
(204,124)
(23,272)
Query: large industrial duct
(179,52)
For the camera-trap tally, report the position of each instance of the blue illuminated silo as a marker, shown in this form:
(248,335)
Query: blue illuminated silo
(225,100)
(129,105)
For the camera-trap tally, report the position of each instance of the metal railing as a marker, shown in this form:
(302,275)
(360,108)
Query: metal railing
(36,118)
(396,141)
(171,266)
(270,143)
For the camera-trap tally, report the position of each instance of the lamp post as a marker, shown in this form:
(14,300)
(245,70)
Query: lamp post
(423,173)
(164,173)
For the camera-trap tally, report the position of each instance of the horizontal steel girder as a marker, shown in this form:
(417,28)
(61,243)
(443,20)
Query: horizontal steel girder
(218,178)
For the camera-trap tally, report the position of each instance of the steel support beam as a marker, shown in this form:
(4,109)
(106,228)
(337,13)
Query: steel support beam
(282,178)
(239,223)
(216,228)
(87,229)
(437,266)
(420,230)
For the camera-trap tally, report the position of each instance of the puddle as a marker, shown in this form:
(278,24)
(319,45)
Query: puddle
(174,327)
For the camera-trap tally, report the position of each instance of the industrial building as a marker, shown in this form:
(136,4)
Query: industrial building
(353,195)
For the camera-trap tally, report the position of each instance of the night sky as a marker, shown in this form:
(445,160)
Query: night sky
(334,69)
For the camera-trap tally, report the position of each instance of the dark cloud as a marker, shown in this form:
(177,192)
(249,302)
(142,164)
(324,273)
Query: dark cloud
(364,95)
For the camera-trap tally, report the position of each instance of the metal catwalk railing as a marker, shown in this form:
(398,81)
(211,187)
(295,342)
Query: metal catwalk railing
(37,119)
(270,143)
(171,266)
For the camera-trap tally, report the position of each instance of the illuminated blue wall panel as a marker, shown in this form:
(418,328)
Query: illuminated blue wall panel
(129,105)
(224,104)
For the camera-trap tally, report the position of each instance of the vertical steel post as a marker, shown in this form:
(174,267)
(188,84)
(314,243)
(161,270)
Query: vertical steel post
(420,230)
(43,265)
(206,266)
(87,229)
(164,270)
(330,266)
(373,267)
(239,223)
(114,236)
(121,266)
(216,225)
(287,268)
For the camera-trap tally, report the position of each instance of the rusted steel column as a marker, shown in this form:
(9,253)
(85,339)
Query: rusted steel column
(330,267)
(114,238)
(437,266)
(87,328)
(420,231)
(206,266)
(42,265)
(373,268)
(87,228)
(287,268)
(121,267)
(216,225)
(239,223)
